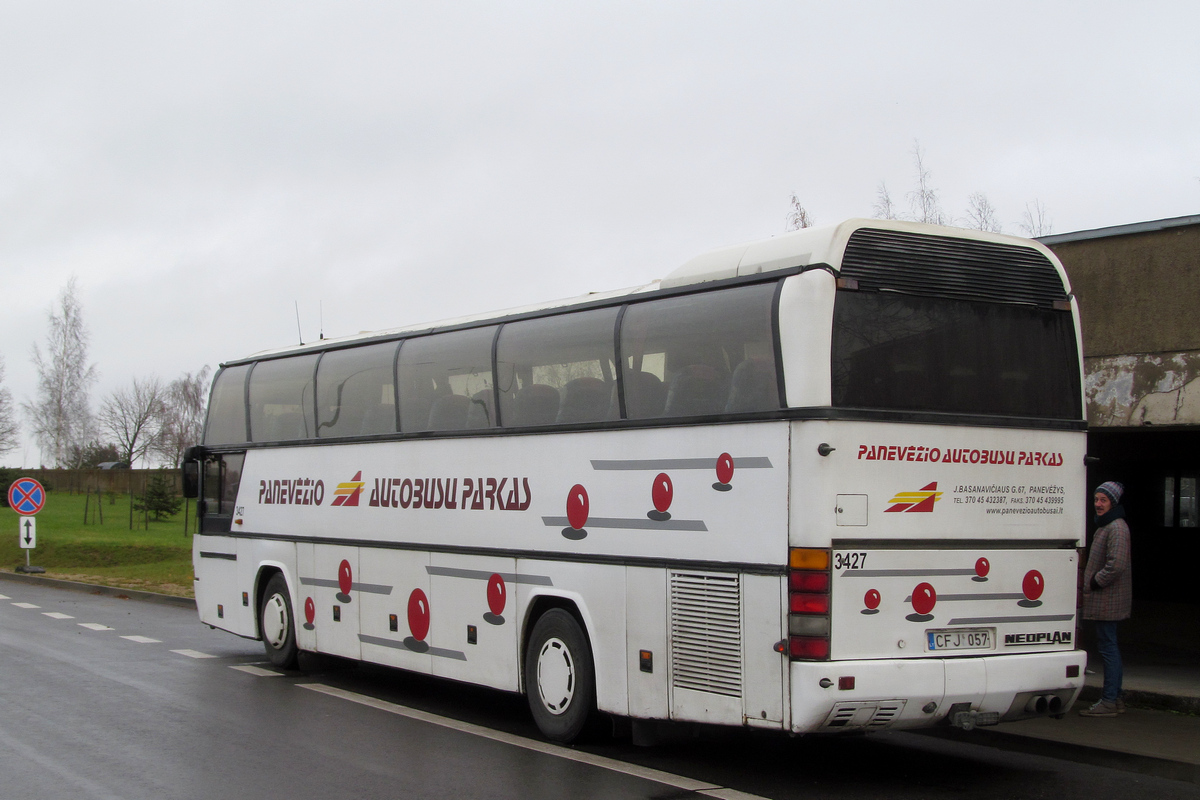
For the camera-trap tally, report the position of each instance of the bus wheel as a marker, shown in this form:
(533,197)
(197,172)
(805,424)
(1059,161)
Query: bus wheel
(277,626)
(560,681)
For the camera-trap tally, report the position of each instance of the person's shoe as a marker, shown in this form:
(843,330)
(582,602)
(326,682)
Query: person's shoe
(1120,706)
(1101,708)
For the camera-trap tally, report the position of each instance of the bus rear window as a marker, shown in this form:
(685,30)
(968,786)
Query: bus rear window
(901,352)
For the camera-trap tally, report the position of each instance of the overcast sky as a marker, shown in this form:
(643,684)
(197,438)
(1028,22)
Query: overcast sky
(203,167)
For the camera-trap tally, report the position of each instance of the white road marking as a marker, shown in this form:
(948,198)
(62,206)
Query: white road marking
(142,639)
(25,605)
(192,654)
(5,597)
(250,669)
(658,776)
(94,626)
(57,615)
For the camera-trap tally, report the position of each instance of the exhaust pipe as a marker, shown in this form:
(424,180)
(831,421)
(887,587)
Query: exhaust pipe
(1038,704)
(1054,703)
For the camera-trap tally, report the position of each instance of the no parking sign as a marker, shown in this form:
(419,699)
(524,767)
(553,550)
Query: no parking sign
(26,496)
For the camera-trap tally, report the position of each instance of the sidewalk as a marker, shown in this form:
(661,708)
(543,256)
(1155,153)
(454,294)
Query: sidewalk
(1159,734)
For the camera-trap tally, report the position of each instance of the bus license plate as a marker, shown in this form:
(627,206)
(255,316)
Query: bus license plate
(961,639)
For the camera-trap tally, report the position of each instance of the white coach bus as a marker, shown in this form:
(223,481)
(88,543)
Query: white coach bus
(829,481)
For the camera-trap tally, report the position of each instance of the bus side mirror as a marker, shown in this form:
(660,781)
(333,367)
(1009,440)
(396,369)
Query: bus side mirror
(192,458)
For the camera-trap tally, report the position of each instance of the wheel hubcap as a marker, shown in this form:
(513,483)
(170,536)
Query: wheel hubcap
(556,676)
(275,621)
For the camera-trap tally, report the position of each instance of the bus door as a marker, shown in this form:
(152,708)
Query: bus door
(215,552)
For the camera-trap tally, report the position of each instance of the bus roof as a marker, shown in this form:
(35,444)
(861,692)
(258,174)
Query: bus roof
(802,248)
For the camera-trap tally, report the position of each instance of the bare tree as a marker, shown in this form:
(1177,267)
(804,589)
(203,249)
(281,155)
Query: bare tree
(183,416)
(798,217)
(8,418)
(61,416)
(981,214)
(1036,221)
(884,208)
(133,417)
(923,201)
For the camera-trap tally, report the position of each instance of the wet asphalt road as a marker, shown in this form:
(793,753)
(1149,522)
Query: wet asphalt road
(111,698)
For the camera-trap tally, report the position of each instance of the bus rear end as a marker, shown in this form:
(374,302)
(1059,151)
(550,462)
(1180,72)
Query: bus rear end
(938,493)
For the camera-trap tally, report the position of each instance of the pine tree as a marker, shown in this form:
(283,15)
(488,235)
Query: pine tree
(160,498)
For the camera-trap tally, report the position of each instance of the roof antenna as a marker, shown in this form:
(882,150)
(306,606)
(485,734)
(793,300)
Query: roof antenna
(321,317)
(298,331)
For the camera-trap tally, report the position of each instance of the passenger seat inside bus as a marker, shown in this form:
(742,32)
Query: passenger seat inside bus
(536,404)
(584,400)
(752,387)
(449,413)
(644,395)
(480,415)
(697,389)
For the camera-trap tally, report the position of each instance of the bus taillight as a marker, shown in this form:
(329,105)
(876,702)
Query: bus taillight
(808,604)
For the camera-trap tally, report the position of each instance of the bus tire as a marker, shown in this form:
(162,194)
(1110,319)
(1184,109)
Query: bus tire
(560,679)
(278,625)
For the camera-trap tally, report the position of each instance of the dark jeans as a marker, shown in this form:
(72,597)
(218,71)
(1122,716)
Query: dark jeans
(1106,643)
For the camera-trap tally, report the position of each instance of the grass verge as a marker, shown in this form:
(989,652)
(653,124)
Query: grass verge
(154,558)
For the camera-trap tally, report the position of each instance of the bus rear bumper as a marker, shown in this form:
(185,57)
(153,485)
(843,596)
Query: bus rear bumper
(835,696)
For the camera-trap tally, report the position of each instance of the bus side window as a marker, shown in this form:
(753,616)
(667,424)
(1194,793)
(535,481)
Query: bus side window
(713,352)
(445,381)
(281,399)
(558,370)
(355,396)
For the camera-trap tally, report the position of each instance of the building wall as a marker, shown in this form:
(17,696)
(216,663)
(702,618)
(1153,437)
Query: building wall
(1139,294)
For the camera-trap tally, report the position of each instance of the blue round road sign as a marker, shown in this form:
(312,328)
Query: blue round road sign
(26,496)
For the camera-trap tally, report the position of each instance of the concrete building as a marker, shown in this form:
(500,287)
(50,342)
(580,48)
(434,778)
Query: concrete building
(1138,288)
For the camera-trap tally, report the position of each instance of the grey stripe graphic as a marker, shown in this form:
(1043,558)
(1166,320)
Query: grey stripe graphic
(951,598)
(457,655)
(660,464)
(997,620)
(369,588)
(631,524)
(900,573)
(483,575)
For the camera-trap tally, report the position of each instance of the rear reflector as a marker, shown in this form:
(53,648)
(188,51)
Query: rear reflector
(808,581)
(1073,671)
(810,647)
(802,603)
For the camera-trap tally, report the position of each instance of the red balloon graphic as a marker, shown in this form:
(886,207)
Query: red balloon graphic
(724,468)
(662,493)
(577,507)
(418,615)
(923,598)
(871,599)
(982,567)
(345,578)
(497,595)
(1033,585)
(310,610)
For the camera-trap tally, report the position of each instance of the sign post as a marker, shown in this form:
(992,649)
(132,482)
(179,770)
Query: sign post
(27,497)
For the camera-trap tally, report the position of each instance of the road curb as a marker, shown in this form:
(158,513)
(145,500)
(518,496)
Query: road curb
(1140,698)
(1069,751)
(109,591)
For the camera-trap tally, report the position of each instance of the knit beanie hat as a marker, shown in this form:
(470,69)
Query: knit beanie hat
(1113,489)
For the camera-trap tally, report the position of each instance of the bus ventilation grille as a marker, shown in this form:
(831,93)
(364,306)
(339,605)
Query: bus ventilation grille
(869,715)
(706,632)
(942,266)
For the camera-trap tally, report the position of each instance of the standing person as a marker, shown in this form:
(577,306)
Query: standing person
(1108,592)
